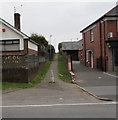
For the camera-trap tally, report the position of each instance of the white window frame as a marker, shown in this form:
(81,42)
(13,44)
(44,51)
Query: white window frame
(91,35)
(4,44)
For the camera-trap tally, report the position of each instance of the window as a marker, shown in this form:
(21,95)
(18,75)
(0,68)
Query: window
(15,41)
(8,42)
(1,42)
(91,36)
(10,45)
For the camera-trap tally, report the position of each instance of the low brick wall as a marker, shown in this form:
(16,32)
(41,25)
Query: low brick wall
(20,68)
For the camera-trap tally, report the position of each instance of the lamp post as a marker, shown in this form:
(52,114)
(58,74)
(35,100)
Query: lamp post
(50,46)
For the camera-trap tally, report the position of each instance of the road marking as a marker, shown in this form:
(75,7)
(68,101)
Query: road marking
(51,105)
(110,75)
(99,77)
(52,75)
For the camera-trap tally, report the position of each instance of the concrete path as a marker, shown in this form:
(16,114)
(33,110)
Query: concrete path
(58,92)
(97,83)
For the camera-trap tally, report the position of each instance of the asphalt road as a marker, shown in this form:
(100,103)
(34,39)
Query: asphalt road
(106,110)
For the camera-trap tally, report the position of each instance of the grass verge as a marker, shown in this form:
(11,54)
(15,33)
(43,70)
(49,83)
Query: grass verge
(36,80)
(63,70)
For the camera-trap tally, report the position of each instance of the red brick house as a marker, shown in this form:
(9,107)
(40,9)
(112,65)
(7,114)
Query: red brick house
(100,42)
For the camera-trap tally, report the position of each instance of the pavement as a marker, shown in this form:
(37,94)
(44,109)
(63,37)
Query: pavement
(97,83)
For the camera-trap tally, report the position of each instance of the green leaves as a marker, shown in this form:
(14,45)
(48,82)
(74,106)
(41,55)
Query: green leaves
(39,39)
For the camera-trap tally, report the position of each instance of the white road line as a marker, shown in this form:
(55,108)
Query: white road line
(110,75)
(52,75)
(51,105)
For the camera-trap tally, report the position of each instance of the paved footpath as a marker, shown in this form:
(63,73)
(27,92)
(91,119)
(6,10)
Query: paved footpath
(97,83)
(48,93)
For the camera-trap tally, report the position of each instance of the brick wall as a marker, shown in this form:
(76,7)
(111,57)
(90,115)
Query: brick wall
(80,54)
(92,45)
(32,52)
(100,50)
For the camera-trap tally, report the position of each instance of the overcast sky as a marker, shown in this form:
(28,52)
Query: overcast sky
(62,20)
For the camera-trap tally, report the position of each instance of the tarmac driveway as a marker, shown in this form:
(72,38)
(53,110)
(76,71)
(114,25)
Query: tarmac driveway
(96,82)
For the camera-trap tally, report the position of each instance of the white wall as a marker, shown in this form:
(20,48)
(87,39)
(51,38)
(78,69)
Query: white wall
(0,30)
(32,46)
(11,34)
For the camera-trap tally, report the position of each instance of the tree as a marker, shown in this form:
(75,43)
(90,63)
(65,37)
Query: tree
(39,39)
(60,47)
(51,51)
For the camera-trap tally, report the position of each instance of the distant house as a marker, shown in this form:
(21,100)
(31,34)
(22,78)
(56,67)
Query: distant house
(71,49)
(15,42)
(100,42)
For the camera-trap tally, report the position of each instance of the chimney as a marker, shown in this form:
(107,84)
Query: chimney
(17,20)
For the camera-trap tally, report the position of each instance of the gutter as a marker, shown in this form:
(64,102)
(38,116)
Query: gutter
(101,46)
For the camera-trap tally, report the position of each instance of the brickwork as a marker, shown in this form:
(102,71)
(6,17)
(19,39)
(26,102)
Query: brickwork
(32,52)
(98,45)
(80,54)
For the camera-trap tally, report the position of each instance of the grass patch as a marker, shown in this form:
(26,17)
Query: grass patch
(63,69)
(36,80)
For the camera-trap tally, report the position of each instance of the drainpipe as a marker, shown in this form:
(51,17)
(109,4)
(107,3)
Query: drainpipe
(104,46)
(101,58)
(84,48)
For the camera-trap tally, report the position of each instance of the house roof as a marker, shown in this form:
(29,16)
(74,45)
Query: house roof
(112,13)
(18,31)
(72,45)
